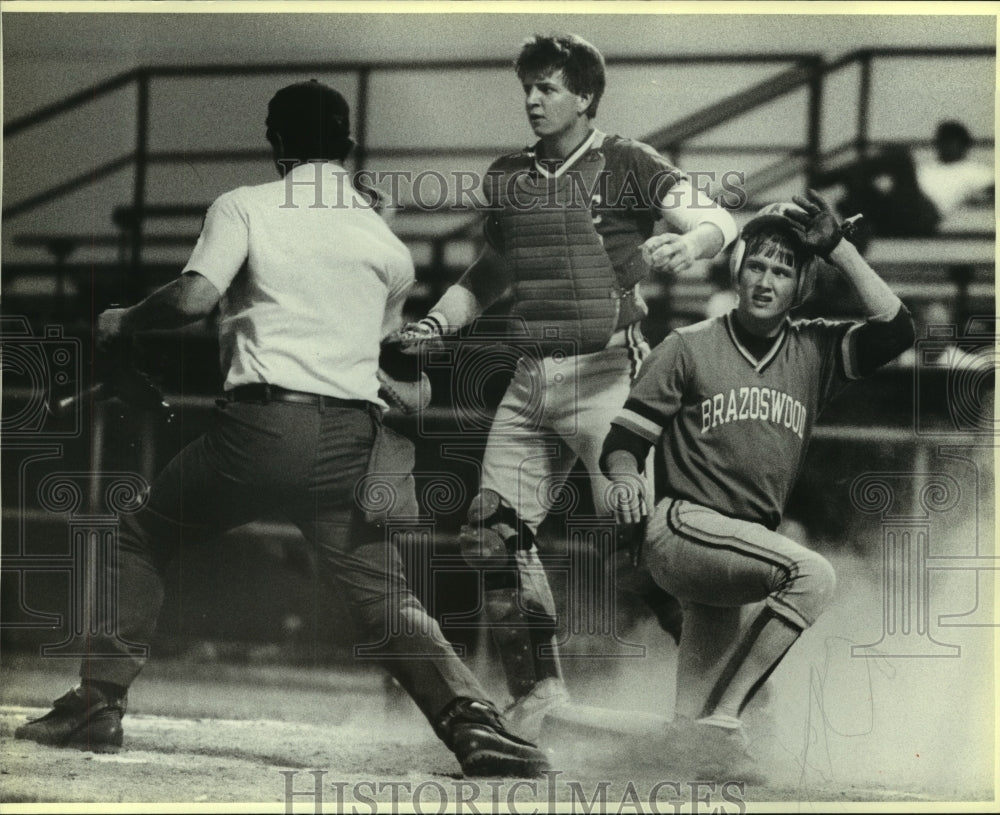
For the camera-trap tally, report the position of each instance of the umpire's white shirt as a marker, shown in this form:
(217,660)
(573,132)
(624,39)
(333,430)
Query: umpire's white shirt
(311,280)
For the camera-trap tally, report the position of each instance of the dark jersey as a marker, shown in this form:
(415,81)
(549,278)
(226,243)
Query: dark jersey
(732,429)
(623,199)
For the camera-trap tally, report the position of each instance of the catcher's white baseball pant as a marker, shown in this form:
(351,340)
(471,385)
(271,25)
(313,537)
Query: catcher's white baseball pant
(555,410)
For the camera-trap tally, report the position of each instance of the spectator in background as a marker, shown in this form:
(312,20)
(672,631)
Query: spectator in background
(884,188)
(953,179)
(900,198)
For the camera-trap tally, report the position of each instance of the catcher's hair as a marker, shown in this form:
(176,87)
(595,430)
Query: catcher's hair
(580,62)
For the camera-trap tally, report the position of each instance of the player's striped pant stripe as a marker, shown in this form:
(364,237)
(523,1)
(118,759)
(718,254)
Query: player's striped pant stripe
(746,548)
(736,661)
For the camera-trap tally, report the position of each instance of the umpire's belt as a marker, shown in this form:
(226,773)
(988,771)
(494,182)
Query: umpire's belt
(262,392)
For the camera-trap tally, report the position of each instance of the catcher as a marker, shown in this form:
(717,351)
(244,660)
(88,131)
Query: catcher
(730,404)
(305,294)
(570,236)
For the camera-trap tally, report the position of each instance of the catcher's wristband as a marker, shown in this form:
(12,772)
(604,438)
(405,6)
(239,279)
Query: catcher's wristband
(432,324)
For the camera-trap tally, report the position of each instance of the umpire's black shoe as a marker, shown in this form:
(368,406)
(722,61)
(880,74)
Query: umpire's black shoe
(84,718)
(475,733)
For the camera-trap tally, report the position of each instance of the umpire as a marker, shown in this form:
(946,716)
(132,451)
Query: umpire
(305,295)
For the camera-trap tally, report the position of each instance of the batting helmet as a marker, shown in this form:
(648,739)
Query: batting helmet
(773,219)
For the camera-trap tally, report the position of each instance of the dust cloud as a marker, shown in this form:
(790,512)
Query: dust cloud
(836,715)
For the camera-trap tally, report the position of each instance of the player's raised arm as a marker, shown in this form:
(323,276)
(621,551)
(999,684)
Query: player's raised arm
(888,330)
(701,227)
(822,233)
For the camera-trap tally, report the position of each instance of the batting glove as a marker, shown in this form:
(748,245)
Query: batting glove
(817,224)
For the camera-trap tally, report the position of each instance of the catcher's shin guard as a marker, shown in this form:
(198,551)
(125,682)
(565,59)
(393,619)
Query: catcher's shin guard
(522,620)
(520,610)
(492,536)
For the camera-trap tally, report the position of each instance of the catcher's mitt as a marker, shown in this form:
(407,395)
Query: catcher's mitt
(403,385)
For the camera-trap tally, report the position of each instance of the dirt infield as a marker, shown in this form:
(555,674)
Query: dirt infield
(245,737)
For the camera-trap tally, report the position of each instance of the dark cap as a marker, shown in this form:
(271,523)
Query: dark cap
(307,107)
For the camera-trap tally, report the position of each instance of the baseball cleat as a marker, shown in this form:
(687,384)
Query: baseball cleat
(730,727)
(527,714)
(722,721)
(82,718)
(476,735)
(487,751)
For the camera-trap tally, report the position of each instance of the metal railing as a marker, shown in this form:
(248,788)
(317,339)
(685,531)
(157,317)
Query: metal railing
(808,71)
(142,156)
(865,60)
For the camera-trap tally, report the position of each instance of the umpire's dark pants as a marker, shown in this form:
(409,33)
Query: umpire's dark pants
(306,462)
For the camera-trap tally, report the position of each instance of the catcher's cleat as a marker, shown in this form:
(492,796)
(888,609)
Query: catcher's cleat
(83,718)
(475,733)
(527,714)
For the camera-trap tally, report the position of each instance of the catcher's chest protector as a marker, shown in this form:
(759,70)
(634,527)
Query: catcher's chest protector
(565,287)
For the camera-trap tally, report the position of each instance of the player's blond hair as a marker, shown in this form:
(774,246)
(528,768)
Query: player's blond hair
(778,245)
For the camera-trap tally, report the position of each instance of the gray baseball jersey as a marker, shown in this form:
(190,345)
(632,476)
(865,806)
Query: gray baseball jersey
(732,429)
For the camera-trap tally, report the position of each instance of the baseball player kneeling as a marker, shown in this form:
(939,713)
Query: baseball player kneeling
(730,404)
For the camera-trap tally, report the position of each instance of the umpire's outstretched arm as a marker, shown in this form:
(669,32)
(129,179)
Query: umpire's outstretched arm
(188,298)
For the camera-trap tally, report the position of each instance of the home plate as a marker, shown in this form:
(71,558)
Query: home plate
(597,736)
(573,722)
